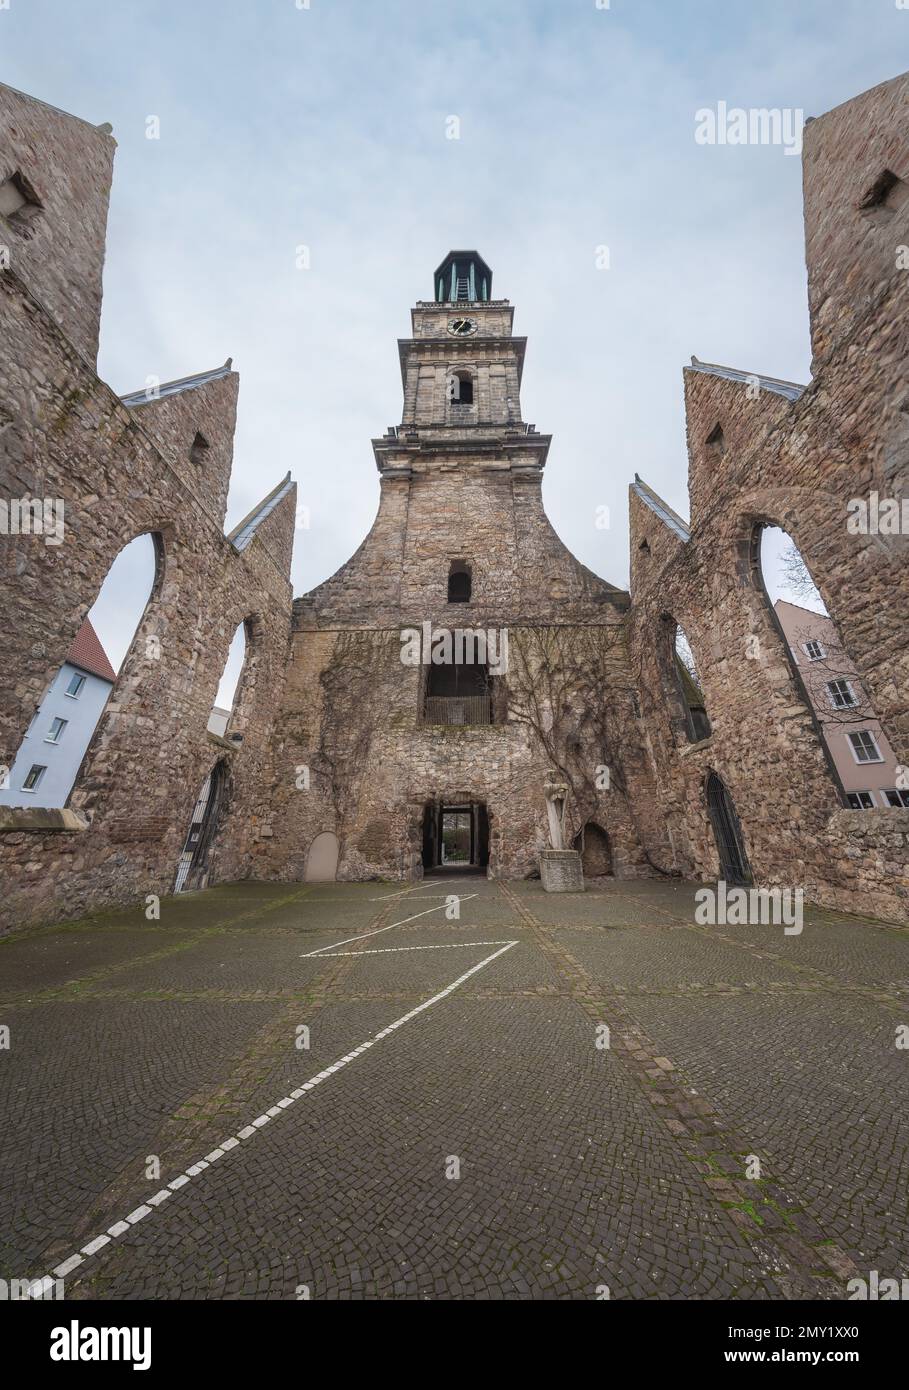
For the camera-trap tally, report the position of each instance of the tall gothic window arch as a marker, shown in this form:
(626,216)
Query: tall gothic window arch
(697,720)
(824,674)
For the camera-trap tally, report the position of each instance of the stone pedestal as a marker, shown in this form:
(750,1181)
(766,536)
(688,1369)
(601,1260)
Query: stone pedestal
(561,872)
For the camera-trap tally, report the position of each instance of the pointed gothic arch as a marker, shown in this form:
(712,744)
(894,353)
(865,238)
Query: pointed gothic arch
(727,831)
(194,866)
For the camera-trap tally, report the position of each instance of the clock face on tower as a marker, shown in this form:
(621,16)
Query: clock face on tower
(462,328)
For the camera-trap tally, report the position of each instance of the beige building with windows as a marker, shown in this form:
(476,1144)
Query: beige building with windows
(859,748)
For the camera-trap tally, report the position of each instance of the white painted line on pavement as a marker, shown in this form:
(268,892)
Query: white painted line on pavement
(402,893)
(250,1130)
(322,950)
(392,950)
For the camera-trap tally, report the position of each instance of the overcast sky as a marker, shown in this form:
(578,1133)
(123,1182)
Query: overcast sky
(326,127)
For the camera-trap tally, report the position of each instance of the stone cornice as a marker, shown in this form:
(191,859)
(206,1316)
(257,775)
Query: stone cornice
(518,450)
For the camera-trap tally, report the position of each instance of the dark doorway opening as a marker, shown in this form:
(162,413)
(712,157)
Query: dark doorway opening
(734,867)
(192,870)
(455,836)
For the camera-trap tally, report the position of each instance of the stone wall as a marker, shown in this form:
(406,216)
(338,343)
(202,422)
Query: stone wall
(58,247)
(793,460)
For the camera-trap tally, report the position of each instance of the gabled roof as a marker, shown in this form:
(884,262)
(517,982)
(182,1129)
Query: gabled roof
(88,654)
(790,389)
(661,509)
(244,530)
(174,388)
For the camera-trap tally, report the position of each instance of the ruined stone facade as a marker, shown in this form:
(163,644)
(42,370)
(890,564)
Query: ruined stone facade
(767,452)
(460,487)
(347,747)
(122,468)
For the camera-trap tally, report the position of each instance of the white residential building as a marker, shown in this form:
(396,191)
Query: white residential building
(51,753)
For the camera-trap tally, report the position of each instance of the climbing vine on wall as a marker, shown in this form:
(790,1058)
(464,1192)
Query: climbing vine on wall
(568,685)
(355,702)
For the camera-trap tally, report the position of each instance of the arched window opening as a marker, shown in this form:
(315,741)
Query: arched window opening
(460,388)
(123,597)
(716,443)
(460,580)
(827,678)
(19,203)
(50,756)
(193,870)
(229,698)
(695,705)
(200,447)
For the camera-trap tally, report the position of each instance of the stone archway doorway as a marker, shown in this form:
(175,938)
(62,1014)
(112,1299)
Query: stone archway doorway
(455,836)
(322,859)
(734,866)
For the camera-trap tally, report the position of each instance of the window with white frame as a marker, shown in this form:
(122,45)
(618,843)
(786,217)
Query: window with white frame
(814,651)
(74,689)
(896,797)
(860,801)
(33,777)
(841,694)
(864,747)
(55,732)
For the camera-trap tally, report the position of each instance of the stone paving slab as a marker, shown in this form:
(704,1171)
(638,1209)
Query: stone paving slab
(239,962)
(824,1092)
(847,951)
(84,1086)
(579,1165)
(666,958)
(49,960)
(597,909)
(353,1200)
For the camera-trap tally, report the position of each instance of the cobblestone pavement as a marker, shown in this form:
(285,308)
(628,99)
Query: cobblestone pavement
(337,1091)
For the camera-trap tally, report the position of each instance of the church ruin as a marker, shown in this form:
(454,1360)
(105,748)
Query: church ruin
(404,717)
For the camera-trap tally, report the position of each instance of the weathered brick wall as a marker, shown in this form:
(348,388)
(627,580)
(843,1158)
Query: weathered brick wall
(68,164)
(851,252)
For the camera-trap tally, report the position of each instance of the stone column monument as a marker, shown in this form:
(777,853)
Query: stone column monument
(560,868)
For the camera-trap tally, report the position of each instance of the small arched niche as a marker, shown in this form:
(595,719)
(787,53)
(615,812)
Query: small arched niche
(594,846)
(322,858)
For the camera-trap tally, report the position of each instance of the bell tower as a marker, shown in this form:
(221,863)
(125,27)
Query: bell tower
(461,373)
(463,275)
